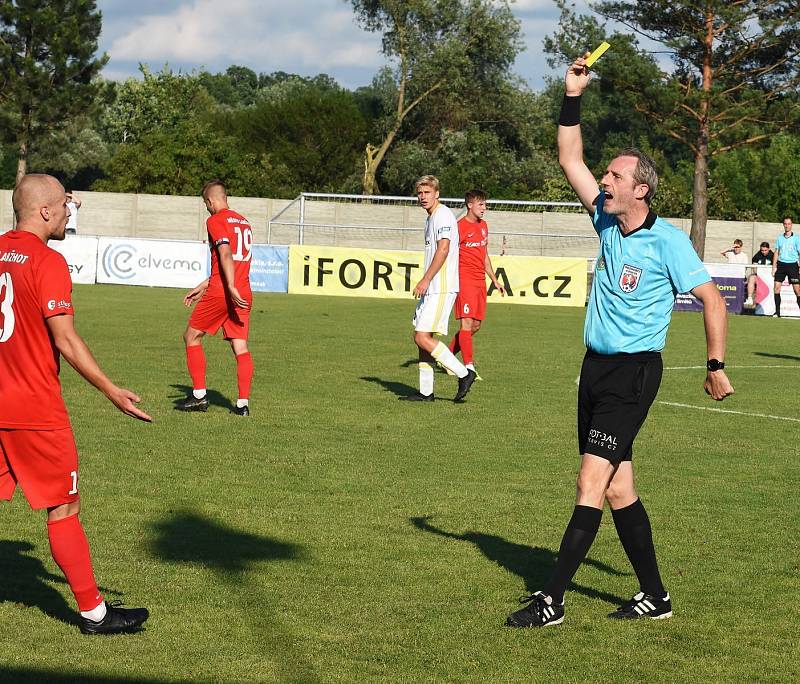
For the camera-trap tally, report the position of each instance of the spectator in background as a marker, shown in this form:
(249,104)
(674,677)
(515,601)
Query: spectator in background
(763,257)
(735,255)
(73,204)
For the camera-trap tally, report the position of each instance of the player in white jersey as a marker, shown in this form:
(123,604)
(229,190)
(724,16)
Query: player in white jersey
(437,292)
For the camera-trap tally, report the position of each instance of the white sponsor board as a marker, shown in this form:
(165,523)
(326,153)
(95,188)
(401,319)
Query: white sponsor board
(81,255)
(765,299)
(159,263)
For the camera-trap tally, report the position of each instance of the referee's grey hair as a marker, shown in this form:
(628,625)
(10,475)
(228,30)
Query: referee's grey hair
(645,171)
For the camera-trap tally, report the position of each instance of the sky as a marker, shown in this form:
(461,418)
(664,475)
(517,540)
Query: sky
(305,37)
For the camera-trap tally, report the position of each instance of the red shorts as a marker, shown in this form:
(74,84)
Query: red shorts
(44,463)
(471,301)
(212,313)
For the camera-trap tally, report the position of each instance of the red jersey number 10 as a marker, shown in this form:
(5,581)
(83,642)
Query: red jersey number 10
(6,311)
(244,242)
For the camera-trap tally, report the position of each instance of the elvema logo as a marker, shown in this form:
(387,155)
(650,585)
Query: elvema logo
(118,261)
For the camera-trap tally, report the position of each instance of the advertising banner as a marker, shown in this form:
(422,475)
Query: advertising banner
(269,268)
(159,263)
(341,271)
(730,279)
(765,299)
(81,255)
(548,281)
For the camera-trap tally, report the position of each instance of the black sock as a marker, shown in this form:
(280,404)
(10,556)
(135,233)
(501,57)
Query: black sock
(778,303)
(798,301)
(578,537)
(633,528)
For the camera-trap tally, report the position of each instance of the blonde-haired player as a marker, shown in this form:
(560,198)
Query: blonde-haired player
(437,290)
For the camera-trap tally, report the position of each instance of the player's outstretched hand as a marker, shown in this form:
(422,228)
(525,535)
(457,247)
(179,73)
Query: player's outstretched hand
(577,77)
(717,385)
(126,401)
(194,295)
(237,299)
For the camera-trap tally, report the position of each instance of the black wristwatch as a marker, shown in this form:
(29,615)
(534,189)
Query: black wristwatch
(715,365)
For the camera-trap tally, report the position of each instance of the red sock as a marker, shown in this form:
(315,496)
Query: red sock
(455,347)
(465,340)
(196,362)
(244,374)
(70,550)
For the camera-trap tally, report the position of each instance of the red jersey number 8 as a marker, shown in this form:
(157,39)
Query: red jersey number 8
(6,311)
(244,242)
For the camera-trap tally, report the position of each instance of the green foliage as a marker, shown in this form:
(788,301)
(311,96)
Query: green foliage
(157,101)
(442,53)
(760,183)
(178,160)
(48,67)
(464,159)
(313,129)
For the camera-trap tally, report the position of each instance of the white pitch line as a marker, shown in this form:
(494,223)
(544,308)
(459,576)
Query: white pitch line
(738,413)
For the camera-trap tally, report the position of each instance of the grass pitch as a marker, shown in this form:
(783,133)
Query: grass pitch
(340,536)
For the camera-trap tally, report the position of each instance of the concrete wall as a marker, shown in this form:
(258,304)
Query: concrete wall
(365,225)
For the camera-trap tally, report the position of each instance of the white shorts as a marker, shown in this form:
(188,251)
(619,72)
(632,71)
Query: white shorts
(433,312)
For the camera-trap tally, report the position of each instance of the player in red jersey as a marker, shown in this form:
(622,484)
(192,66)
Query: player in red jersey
(473,266)
(37,448)
(223,300)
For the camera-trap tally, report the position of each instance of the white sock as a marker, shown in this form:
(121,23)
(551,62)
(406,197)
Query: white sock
(199,394)
(242,402)
(425,378)
(96,614)
(470,366)
(444,356)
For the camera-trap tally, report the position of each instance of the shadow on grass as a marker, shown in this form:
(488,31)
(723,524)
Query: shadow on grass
(25,583)
(788,357)
(399,389)
(188,537)
(10,675)
(531,563)
(214,397)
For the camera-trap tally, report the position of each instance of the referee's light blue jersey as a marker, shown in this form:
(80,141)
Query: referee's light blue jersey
(635,282)
(788,248)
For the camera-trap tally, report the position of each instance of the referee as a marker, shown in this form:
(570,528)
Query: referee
(643,262)
(785,263)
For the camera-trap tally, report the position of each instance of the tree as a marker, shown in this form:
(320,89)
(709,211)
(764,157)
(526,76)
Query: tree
(179,159)
(237,87)
(446,47)
(157,101)
(47,66)
(735,68)
(312,127)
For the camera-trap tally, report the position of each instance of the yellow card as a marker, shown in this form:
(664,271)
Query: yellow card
(597,54)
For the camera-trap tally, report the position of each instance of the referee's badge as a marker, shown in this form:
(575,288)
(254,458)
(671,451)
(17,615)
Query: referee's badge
(629,280)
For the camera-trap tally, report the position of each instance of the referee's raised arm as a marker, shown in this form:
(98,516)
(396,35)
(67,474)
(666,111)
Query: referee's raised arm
(570,144)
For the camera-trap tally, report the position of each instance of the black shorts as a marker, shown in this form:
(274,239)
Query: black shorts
(614,396)
(790,271)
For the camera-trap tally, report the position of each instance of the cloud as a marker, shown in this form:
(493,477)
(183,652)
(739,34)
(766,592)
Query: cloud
(304,36)
(266,35)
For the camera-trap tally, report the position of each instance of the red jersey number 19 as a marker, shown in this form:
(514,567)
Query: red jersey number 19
(6,311)
(244,243)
